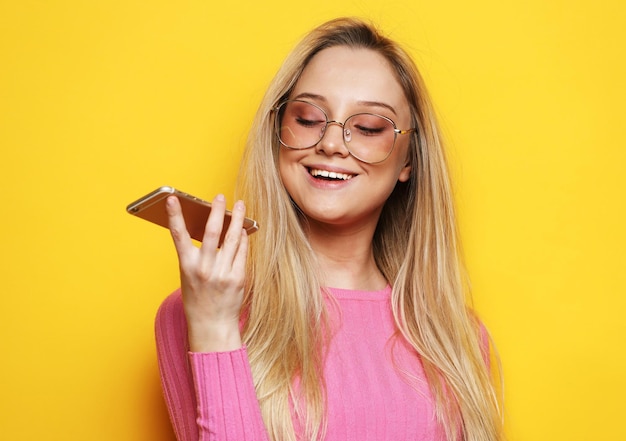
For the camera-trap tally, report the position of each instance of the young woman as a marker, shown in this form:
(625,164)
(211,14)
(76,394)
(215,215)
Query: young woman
(344,317)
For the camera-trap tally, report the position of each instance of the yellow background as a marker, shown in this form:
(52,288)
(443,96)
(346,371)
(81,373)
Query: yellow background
(101,101)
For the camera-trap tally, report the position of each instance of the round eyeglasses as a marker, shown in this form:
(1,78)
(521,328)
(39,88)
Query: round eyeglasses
(370,138)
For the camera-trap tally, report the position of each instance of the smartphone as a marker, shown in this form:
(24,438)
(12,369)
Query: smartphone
(151,207)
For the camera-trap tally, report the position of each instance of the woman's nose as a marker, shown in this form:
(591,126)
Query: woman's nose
(332,142)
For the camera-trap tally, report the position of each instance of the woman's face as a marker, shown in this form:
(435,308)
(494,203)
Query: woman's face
(328,184)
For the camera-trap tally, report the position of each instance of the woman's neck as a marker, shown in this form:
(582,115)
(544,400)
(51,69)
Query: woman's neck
(346,258)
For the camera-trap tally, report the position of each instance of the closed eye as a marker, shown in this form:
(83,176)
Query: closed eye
(308,122)
(369,131)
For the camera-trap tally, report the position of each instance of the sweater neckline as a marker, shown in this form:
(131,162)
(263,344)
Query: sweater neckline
(355,294)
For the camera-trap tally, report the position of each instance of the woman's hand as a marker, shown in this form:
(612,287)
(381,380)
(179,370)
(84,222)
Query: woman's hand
(212,279)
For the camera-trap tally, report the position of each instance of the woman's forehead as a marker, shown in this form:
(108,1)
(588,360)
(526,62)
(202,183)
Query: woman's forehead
(346,75)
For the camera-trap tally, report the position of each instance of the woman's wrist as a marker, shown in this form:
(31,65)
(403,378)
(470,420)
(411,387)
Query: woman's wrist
(214,337)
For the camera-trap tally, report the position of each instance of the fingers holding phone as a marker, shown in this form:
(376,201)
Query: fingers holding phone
(234,247)
(176,223)
(213,231)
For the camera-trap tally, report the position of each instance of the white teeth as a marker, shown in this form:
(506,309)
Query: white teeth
(330,174)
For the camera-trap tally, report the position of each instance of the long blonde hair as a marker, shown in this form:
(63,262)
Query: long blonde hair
(415,246)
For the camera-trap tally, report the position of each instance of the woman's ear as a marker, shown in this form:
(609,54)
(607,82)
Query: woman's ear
(405,172)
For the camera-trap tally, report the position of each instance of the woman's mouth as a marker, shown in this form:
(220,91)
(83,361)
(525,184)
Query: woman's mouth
(329,175)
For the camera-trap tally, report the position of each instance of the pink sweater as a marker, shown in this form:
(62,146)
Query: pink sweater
(210,396)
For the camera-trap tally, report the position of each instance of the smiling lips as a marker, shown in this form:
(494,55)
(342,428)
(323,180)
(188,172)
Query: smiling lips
(330,175)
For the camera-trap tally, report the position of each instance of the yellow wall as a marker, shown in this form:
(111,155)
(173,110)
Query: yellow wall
(101,101)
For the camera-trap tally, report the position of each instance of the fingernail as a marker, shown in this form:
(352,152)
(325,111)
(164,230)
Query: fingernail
(239,205)
(220,197)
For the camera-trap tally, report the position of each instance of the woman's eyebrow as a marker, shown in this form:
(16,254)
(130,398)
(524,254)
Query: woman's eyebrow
(312,96)
(378,104)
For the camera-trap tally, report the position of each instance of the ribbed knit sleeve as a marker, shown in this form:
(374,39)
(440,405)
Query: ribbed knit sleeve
(228,408)
(176,380)
(209,396)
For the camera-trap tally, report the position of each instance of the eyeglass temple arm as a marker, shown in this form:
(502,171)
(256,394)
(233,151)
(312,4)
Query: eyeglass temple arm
(404,132)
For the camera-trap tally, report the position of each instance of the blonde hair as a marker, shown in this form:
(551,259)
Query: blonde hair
(416,248)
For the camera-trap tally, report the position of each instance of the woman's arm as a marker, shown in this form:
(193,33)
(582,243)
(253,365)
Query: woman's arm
(205,371)
(209,396)
(176,380)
